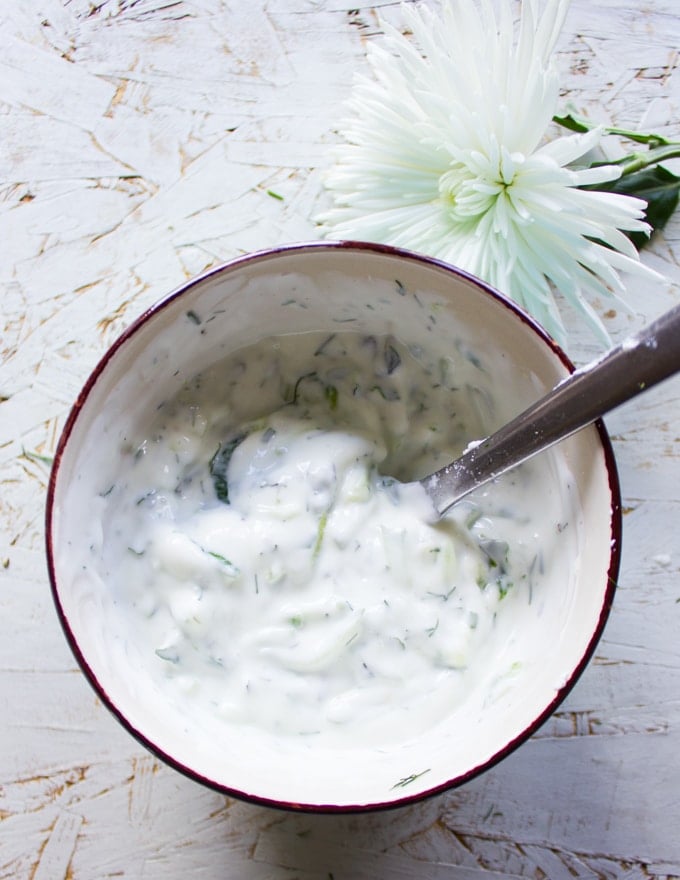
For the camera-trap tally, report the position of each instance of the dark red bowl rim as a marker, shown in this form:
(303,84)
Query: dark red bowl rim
(227,267)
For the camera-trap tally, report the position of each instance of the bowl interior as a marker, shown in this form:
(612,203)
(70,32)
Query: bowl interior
(538,651)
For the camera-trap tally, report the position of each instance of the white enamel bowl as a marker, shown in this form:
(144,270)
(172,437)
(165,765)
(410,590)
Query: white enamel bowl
(326,286)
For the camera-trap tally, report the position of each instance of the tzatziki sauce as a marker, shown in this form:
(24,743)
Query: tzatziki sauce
(278,566)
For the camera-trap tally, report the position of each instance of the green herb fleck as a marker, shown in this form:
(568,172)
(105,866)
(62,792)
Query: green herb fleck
(504,587)
(145,497)
(275,195)
(293,397)
(193,317)
(443,596)
(386,393)
(35,456)
(407,780)
(392,358)
(322,348)
(219,465)
(496,553)
(432,629)
(231,569)
(319,534)
(330,392)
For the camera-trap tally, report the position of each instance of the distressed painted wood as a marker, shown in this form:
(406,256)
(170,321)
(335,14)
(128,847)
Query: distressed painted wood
(140,142)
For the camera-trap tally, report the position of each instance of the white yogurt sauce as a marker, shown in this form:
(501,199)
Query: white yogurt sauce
(274,573)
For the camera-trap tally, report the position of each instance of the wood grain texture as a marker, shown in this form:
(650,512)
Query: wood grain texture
(141,141)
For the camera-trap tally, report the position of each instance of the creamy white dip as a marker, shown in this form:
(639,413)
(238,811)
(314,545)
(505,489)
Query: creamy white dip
(277,567)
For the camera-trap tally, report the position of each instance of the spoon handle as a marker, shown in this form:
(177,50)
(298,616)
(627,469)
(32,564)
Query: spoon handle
(625,371)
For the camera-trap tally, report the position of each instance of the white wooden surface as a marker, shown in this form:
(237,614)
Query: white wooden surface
(138,142)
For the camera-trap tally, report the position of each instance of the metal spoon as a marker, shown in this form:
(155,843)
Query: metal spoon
(625,371)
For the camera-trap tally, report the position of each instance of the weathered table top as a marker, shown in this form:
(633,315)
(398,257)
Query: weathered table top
(140,142)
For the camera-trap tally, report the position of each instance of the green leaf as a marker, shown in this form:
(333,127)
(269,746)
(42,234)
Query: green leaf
(641,174)
(659,187)
(574,123)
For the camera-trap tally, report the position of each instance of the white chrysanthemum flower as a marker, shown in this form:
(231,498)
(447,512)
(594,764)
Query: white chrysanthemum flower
(445,154)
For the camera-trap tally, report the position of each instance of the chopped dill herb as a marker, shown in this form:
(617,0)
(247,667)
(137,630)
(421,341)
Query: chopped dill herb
(443,596)
(322,348)
(231,569)
(474,360)
(407,780)
(193,317)
(219,465)
(330,392)
(275,195)
(431,630)
(504,587)
(296,388)
(319,534)
(401,288)
(386,393)
(496,553)
(392,358)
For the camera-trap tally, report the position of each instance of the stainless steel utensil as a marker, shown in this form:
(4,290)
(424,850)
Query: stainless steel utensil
(625,371)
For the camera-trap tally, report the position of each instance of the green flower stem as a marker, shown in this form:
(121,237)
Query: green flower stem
(575,122)
(652,140)
(637,161)
(660,148)
(643,175)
